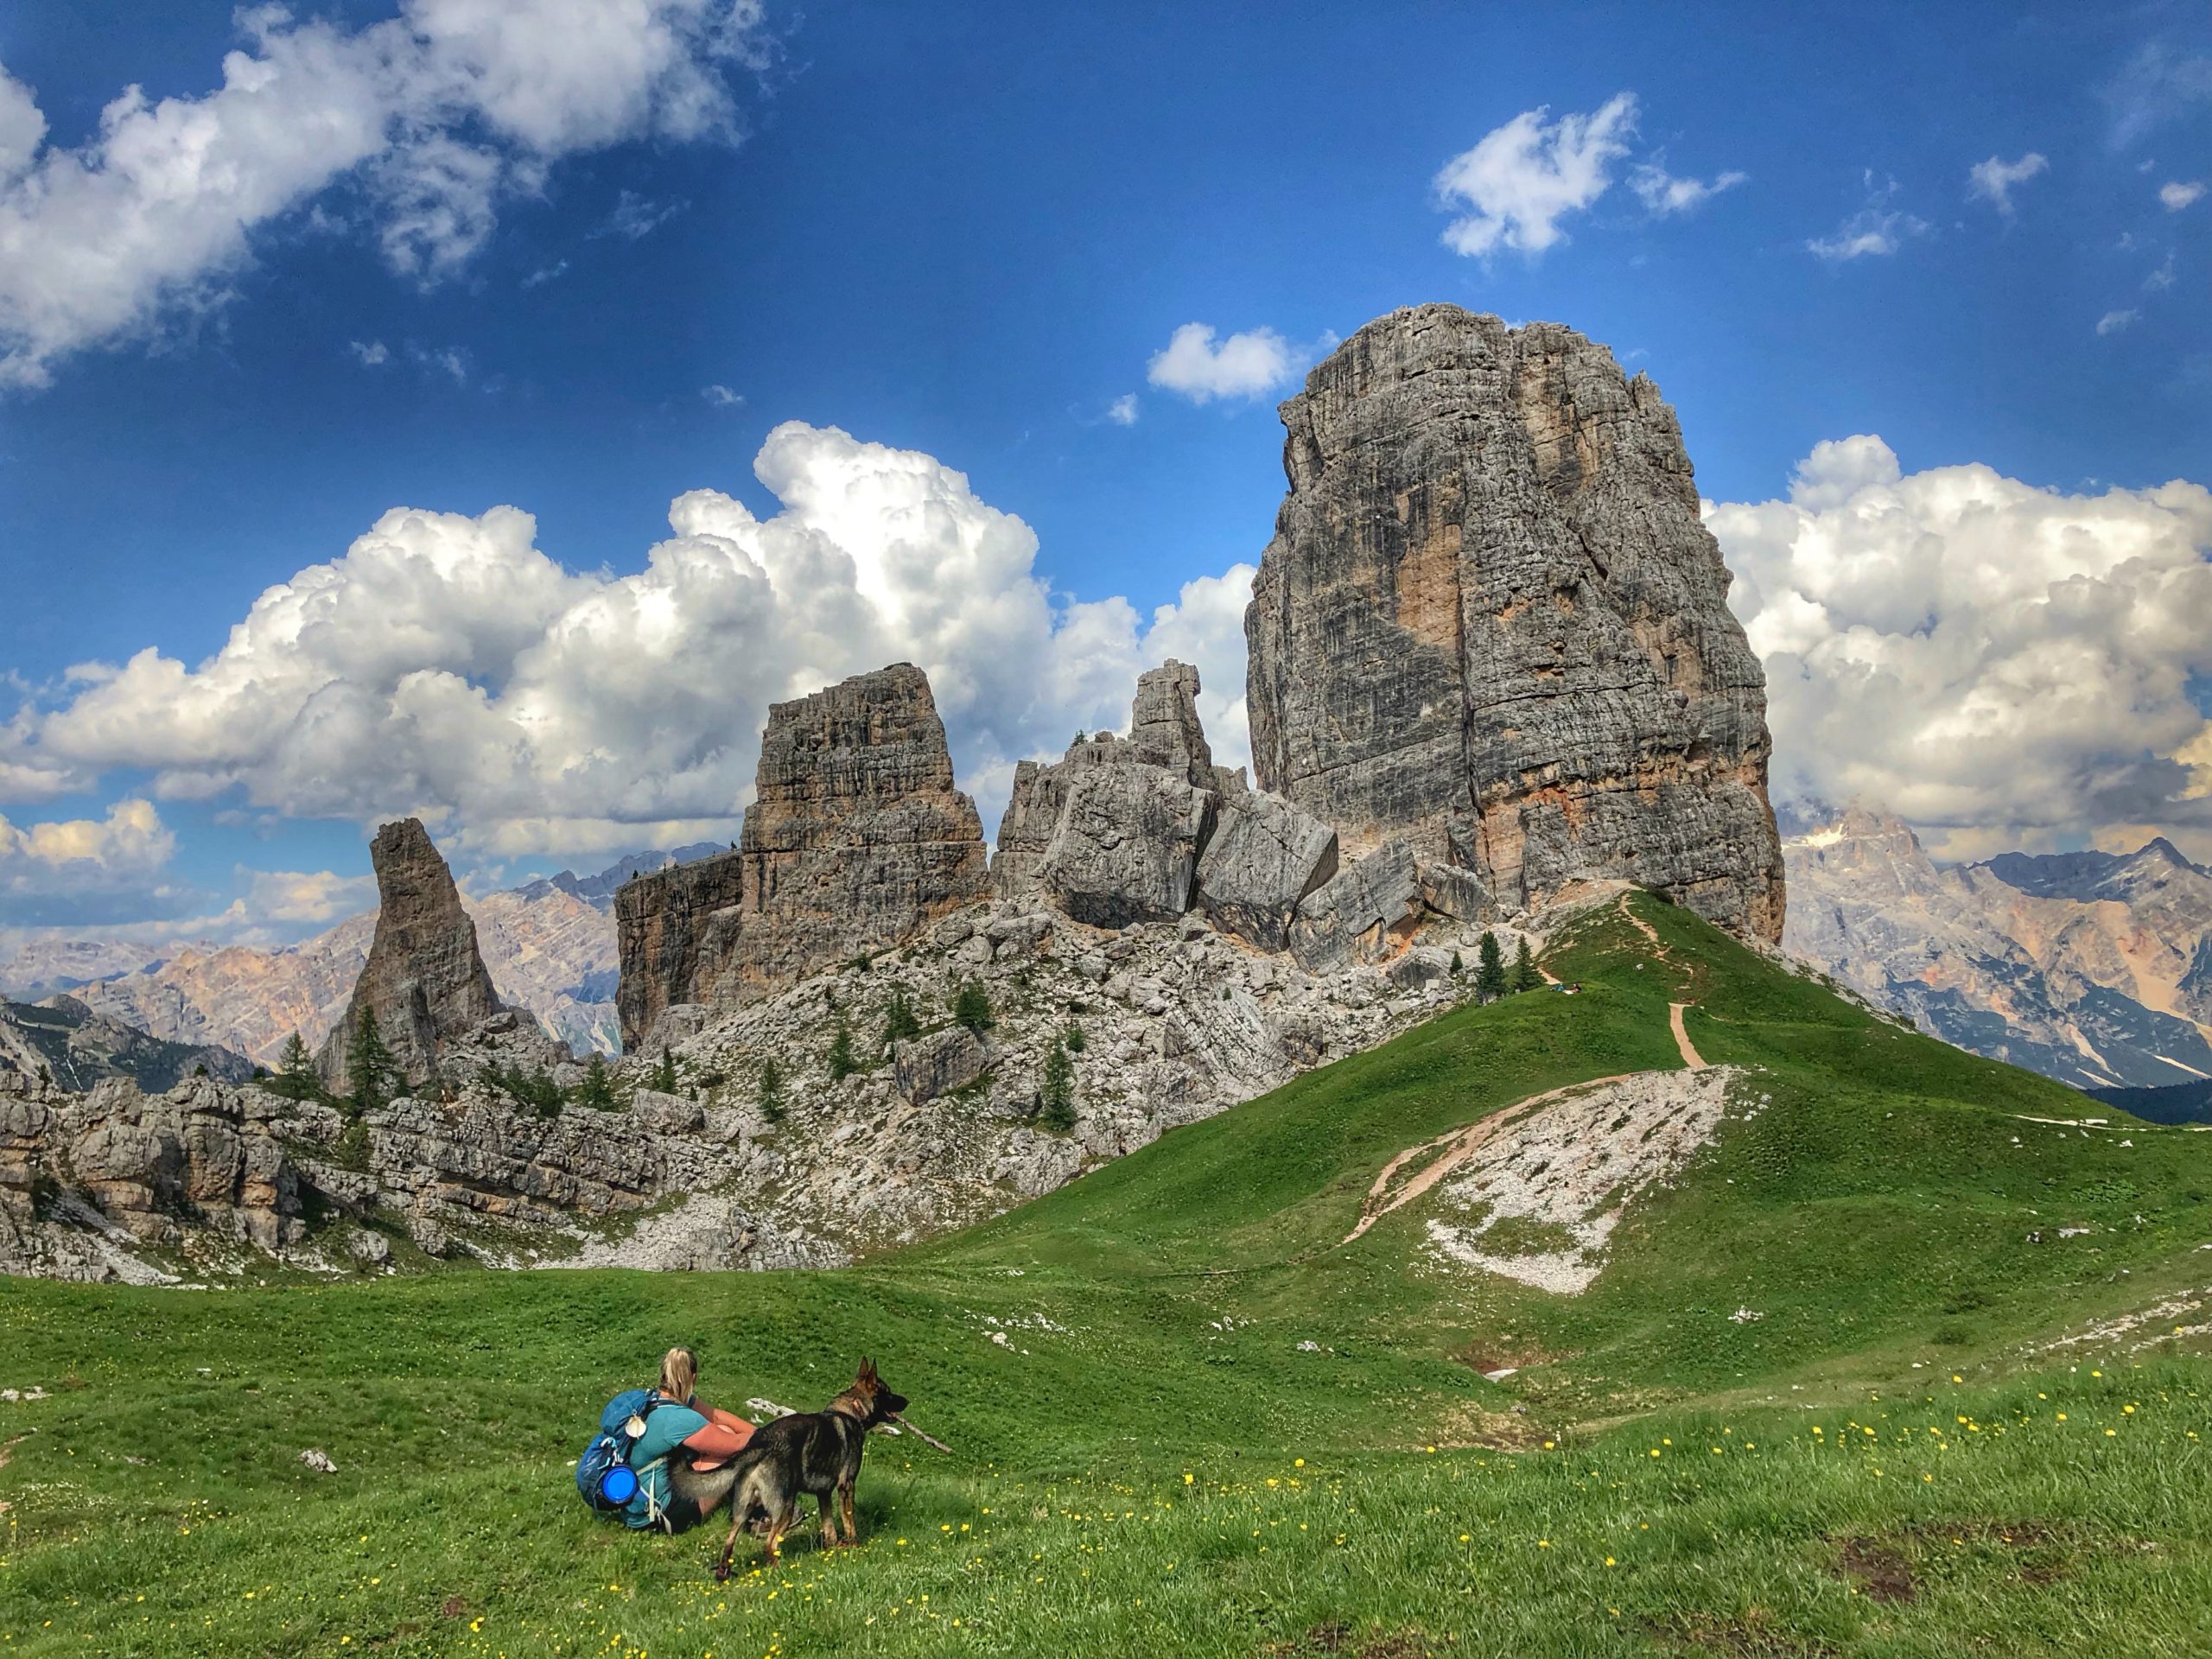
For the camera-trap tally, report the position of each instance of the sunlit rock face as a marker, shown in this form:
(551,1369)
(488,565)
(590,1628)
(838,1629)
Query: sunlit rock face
(1490,624)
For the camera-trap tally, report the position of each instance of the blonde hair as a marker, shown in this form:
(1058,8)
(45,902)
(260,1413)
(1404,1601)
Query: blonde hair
(679,1373)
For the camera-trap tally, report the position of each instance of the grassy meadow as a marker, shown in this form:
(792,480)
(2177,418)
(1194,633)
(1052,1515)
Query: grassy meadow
(1186,1419)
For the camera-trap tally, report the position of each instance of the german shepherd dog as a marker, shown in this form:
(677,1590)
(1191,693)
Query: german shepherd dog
(816,1452)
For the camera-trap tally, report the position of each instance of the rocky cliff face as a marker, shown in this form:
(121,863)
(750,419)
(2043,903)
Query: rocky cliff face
(1492,623)
(855,841)
(424,979)
(2092,968)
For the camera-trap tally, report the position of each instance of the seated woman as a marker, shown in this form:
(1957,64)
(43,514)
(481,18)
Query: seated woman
(685,1436)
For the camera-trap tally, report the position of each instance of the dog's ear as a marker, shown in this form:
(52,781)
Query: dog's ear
(866,1372)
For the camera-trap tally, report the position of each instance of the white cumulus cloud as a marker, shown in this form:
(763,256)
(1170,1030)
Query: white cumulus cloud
(2003,665)
(2178,195)
(2112,321)
(445,665)
(1202,368)
(1122,411)
(435,116)
(1520,180)
(1994,181)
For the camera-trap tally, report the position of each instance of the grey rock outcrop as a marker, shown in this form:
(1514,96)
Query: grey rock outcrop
(424,980)
(857,841)
(1492,623)
(1366,913)
(1264,859)
(923,1068)
(1125,848)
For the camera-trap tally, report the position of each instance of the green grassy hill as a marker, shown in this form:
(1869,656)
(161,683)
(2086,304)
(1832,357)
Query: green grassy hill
(1189,1418)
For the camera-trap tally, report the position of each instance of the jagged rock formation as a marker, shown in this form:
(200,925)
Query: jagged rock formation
(2092,968)
(1147,828)
(855,841)
(424,979)
(1492,623)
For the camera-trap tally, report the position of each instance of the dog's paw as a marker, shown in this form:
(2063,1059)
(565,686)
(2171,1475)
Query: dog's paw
(721,1572)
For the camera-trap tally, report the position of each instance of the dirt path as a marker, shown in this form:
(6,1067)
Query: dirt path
(1691,1058)
(1454,1149)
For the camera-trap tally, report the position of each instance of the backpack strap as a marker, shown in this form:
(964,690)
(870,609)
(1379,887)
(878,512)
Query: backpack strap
(655,1514)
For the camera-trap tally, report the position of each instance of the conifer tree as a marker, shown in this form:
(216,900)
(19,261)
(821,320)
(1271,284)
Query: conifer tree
(664,1078)
(597,1089)
(772,1090)
(1056,1099)
(295,1078)
(900,1023)
(1525,976)
(971,1006)
(842,1062)
(1490,971)
(370,1064)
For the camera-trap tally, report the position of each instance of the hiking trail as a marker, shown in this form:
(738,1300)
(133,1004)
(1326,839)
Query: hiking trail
(1455,1148)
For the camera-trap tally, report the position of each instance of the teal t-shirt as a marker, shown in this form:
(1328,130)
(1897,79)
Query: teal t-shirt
(667,1427)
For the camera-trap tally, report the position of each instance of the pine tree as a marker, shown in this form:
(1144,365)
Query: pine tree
(1489,972)
(900,1023)
(665,1080)
(772,1090)
(1459,967)
(1056,1099)
(842,1062)
(971,1006)
(370,1064)
(597,1090)
(295,1078)
(1074,1039)
(1525,976)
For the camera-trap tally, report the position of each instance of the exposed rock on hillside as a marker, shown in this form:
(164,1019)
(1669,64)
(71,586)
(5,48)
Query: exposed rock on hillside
(424,979)
(1492,623)
(855,841)
(2092,968)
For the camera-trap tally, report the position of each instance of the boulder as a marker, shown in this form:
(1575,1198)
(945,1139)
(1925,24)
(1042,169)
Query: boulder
(923,1068)
(1364,915)
(1264,859)
(1127,846)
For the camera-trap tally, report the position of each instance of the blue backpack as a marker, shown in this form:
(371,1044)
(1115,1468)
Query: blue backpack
(604,1477)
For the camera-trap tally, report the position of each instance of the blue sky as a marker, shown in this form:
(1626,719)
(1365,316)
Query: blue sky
(967,233)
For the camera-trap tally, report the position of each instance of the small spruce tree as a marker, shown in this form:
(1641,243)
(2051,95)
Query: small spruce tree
(842,1062)
(772,1090)
(1074,1037)
(1525,976)
(370,1064)
(597,1089)
(665,1080)
(1459,966)
(971,1006)
(1055,1099)
(1490,971)
(295,1078)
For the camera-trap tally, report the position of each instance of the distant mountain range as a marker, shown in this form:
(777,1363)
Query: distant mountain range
(2092,968)
(74,1047)
(549,945)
